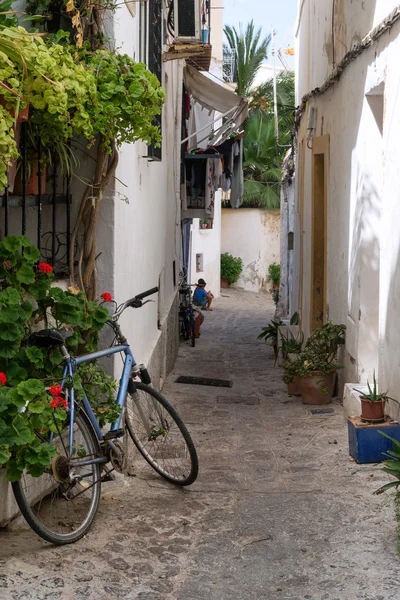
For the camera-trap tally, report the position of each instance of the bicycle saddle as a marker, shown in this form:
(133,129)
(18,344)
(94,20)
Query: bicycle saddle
(49,338)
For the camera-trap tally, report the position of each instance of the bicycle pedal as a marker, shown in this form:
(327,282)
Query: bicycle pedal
(112,435)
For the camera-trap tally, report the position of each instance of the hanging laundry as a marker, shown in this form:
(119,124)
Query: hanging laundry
(237,185)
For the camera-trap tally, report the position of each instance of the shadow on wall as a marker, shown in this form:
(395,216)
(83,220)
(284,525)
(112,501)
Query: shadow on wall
(364,268)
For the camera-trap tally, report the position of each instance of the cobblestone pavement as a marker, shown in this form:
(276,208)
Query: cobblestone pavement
(279,511)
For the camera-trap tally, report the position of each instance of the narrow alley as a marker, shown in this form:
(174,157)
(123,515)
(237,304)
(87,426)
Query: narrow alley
(279,511)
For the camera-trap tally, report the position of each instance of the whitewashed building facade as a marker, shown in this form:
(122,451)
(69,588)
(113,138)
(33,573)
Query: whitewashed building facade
(344,215)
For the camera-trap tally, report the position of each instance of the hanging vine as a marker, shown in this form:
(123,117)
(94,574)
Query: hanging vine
(129,97)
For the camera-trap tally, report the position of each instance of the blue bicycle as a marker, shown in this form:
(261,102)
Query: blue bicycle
(61,504)
(187,315)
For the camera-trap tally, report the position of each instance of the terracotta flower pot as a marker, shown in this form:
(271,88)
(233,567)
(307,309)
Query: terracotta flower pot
(32,184)
(276,286)
(23,113)
(372,412)
(209,225)
(224,283)
(294,387)
(317,389)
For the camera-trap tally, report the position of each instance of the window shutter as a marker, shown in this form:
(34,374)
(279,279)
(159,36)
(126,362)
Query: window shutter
(155,60)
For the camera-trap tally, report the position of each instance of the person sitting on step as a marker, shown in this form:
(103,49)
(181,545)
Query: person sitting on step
(201,297)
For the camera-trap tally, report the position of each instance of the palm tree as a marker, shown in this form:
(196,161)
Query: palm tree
(250,52)
(262,166)
(263,154)
(262,98)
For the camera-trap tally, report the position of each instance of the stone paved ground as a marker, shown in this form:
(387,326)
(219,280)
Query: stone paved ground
(279,511)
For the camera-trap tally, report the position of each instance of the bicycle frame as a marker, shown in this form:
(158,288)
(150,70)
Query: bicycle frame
(70,367)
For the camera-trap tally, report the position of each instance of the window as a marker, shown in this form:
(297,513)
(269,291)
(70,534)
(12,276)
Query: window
(199,263)
(143,31)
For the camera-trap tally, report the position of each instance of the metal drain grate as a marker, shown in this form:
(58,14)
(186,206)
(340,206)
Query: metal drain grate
(322,411)
(203,381)
(249,401)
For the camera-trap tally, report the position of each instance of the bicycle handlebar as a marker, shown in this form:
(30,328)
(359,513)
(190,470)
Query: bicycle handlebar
(153,290)
(135,302)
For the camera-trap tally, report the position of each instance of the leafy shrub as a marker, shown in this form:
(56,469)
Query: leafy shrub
(70,93)
(274,273)
(27,300)
(231,267)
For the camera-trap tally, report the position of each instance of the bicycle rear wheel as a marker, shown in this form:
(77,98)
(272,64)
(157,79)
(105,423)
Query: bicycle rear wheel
(193,330)
(160,435)
(61,504)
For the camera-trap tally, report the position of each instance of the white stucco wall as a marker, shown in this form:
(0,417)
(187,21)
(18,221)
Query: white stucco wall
(253,235)
(139,233)
(363,209)
(207,243)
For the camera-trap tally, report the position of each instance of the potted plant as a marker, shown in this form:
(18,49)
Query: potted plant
(317,364)
(274,274)
(231,268)
(373,404)
(203,223)
(270,335)
(291,345)
(209,223)
(292,378)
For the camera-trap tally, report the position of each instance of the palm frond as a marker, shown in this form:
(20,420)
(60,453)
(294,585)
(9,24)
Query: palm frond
(250,51)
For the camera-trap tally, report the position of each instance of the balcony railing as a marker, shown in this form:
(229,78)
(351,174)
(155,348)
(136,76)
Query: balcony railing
(37,204)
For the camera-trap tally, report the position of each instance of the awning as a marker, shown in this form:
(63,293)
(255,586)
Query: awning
(215,97)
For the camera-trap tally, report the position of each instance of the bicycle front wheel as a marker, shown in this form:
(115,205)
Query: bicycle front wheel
(61,504)
(160,435)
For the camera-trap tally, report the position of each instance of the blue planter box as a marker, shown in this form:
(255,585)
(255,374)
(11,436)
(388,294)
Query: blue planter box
(366,444)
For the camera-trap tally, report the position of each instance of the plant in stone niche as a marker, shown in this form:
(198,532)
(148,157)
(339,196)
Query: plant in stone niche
(231,267)
(274,273)
(28,302)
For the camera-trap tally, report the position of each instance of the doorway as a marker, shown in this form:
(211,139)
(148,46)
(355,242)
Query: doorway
(320,159)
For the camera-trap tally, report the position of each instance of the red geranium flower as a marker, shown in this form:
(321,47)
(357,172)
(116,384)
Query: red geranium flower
(45,268)
(106,296)
(55,390)
(58,402)
(3,379)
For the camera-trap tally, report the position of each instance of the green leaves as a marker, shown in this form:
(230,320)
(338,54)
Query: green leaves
(31,254)
(231,267)
(392,467)
(25,275)
(5,454)
(9,297)
(22,432)
(30,389)
(35,355)
(26,300)
(12,243)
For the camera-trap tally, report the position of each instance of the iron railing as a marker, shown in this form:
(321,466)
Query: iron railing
(38,213)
